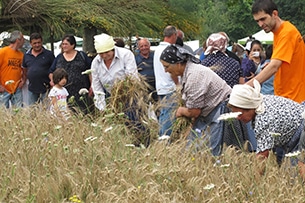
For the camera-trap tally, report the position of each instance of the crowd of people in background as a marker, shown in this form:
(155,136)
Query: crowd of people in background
(265,88)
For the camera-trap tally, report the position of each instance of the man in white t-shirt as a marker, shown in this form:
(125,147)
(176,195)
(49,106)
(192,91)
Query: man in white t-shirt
(165,83)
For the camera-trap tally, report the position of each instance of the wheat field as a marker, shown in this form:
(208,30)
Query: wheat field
(44,159)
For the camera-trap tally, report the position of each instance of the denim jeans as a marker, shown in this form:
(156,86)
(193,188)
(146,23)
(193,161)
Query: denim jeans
(166,117)
(251,137)
(15,98)
(35,97)
(215,133)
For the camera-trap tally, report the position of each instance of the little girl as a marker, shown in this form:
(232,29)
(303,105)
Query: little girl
(58,94)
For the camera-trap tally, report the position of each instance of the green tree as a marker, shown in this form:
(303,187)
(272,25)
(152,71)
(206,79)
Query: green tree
(293,12)
(136,17)
(117,18)
(233,17)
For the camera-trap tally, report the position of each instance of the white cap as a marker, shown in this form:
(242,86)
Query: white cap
(246,97)
(103,43)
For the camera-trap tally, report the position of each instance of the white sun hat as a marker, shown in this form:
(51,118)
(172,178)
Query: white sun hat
(103,43)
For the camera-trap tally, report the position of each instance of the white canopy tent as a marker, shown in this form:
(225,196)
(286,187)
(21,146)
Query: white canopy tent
(265,38)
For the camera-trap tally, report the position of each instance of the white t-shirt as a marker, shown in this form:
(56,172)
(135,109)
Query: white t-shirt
(164,82)
(61,95)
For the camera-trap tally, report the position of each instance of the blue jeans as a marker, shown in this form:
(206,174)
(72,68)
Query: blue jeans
(16,98)
(215,134)
(166,117)
(35,97)
(296,143)
(251,137)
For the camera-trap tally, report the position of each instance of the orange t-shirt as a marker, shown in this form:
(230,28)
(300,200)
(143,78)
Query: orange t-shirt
(10,68)
(289,47)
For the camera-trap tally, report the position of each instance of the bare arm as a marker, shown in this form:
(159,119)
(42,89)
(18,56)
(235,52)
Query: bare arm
(54,103)
(23,79)
(267,72)
(241,80)
(190,113)
(261,156)
(51,79)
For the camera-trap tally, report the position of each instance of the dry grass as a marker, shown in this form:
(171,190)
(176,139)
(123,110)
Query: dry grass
(44,160)
(47,160)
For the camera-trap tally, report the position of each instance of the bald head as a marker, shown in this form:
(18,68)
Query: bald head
(144,47)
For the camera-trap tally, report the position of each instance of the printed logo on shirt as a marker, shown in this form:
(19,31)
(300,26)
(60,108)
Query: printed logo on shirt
(61,97)
(14,63)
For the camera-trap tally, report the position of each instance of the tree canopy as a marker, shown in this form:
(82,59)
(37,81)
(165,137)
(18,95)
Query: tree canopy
(118,18)
(197,18)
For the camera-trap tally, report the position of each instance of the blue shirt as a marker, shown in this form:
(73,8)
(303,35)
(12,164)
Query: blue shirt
(267,86)
(38,70)
(146,68)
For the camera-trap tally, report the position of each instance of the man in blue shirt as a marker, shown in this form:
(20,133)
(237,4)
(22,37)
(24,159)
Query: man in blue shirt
(36,63)
(145,64)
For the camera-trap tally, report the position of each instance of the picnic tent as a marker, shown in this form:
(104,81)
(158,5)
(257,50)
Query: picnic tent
(265,38)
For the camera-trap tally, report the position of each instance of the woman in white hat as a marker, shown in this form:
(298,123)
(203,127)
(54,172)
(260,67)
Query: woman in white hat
(277,121)
(111,63)
(115,63)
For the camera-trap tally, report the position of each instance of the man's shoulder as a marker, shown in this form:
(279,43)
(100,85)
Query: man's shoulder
(163,43)
(10,51)
(138,55)
(288,28)
(3,49)
(161,47)
(47,51)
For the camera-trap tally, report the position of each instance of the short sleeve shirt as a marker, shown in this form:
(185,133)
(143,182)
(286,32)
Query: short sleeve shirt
(288,46)
(38,70)
(61,97)
(202,88)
